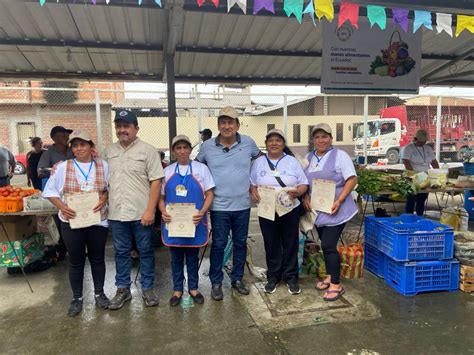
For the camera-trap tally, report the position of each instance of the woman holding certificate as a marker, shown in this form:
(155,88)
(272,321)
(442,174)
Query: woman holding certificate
(186,196)
(277,180)
(333,177)
(82,180)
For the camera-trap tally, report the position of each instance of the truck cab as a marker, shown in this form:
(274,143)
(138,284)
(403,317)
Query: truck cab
(383,139)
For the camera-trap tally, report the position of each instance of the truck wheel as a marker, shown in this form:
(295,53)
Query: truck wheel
(19,168)
(393,156)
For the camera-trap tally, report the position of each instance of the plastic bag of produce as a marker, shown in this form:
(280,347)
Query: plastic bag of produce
(438,178)
(456,217)
(421,181)
(464,246)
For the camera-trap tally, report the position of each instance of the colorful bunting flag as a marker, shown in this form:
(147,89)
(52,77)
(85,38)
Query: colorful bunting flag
(348,11)
(400,17)
(263,4)
(444,22)
(377,15)
(324,8)
(240,3)
(201,2)
(294,7)
(422,18)
(42,2)
(464,23)
(94,2)
(140,2)
(310,10)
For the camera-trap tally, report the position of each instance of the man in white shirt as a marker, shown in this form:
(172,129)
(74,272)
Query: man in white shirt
(418,156)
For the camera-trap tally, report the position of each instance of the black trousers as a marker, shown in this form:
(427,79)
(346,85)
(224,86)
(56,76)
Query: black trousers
(329,238)
(76,241)
(281,246)
(419,200)
(60,246)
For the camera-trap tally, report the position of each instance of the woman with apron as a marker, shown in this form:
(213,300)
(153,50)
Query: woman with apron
(188,182)
(328,163)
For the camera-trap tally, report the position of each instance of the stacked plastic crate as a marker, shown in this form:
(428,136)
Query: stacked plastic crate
(411,253)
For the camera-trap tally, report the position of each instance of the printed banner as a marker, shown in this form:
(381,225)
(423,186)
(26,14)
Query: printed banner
(370,60)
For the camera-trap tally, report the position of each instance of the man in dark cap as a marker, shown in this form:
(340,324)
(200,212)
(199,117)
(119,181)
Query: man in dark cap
(134,187)
(59,151)
(206,134)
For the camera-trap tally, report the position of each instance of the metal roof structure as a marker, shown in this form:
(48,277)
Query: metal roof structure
(125,41)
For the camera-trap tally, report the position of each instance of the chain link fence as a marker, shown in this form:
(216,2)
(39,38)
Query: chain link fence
(376,127)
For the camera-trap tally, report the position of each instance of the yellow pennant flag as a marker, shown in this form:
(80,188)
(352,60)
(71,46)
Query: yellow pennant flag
(465,23)
(324,8)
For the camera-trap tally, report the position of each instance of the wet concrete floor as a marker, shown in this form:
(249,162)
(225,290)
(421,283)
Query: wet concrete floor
(374,319)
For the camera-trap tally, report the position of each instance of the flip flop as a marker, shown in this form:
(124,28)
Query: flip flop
(338,293)
(325,285)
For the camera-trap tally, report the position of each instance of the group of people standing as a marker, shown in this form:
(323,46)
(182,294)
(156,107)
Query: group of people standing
(223,180)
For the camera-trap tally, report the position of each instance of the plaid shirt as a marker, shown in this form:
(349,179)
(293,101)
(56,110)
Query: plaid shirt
(71,184)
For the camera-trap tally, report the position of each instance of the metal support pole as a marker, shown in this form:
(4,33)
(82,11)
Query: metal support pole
(98,121)
(171,98)
(285,115)
(366,117)
(438,128)
(199,111)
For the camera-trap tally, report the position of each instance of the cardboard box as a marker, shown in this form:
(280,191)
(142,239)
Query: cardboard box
(18,227)
(27,250)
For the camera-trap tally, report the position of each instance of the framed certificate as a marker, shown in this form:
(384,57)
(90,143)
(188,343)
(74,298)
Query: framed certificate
(323,194)
(181,225)
(83,204)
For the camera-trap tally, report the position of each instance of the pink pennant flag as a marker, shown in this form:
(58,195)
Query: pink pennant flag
(400,17)
(263,4)
(348,12)
(201,2)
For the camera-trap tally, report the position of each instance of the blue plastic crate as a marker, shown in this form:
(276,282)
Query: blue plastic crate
(423,240)
(374,260)
(373,224)
(468,168)
(410,278)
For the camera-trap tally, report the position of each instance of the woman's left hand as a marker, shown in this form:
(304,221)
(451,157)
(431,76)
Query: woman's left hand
(293,193)
(198,217)
(335,206)
(101,204)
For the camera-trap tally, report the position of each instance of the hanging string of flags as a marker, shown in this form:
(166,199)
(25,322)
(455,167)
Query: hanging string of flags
(348,11)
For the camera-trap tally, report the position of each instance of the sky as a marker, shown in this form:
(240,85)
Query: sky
(272,94)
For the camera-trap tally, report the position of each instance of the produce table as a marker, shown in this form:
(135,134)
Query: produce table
(448,190)
(9,240)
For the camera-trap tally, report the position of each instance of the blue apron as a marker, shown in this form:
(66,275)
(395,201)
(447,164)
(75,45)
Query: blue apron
(195,194)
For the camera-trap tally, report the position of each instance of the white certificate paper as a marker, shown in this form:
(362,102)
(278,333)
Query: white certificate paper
(266,206)
(323,194)
(83,204)
(181,225)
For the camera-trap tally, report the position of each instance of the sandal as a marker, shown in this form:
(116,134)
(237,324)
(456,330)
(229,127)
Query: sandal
(338,293)
(322,285)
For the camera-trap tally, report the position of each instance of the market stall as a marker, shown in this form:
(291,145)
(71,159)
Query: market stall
(25,218)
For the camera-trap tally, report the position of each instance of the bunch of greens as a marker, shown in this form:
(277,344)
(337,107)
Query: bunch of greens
(404,186)
(370,182)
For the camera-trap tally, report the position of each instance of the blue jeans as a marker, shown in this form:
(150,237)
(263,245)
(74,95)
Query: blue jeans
(177,267)
(122,236)
(222,223)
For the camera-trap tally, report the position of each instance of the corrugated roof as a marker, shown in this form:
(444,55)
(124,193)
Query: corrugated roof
(125,42)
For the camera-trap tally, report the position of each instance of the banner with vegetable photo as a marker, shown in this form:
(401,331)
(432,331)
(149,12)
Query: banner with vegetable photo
(370,60)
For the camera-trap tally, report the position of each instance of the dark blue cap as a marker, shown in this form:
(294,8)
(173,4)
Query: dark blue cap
(126,116)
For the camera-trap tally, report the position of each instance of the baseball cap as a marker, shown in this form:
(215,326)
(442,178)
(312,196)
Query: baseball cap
(421,135)
(180,138)
(127,116)
(80,134)
(206,131)
(228,111)
(277,132)
(59,129)
(322,127)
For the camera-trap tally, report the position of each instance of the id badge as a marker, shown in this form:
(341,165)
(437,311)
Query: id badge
(86,187)
(181,191)
(275,173)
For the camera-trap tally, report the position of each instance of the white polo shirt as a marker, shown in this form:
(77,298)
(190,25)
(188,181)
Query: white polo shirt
(419,157)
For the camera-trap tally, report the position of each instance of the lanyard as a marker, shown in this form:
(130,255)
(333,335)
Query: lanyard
(185,177)
(274,165)
(82,172)
(318,158)
(422,155)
